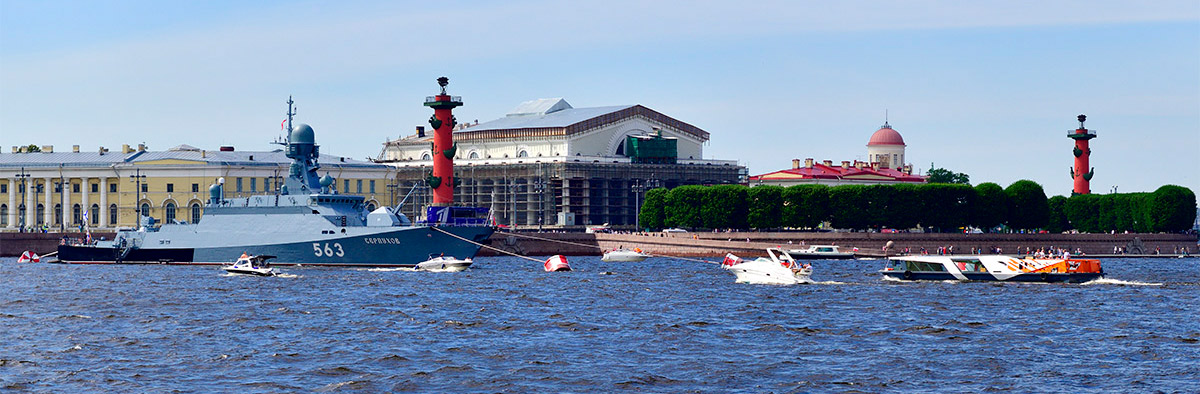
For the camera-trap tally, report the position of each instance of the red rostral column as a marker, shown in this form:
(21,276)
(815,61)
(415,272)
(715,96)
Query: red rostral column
(443,122)
(1082,174)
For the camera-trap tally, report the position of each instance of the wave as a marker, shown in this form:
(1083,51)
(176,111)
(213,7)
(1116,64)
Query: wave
(1107,281)
(391,269)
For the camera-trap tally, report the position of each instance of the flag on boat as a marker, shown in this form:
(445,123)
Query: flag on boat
(29,257)
(730,259)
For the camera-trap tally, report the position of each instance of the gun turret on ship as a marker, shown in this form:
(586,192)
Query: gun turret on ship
(304,222)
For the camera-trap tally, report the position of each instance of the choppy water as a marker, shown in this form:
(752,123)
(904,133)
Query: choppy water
(659,326)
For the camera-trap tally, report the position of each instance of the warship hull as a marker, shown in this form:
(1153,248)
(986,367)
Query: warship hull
(365,247)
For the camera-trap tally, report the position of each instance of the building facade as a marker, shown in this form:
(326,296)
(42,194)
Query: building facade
(548,163)
(885,150)
(105,190)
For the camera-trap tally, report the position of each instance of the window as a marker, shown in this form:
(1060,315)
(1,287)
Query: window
(170,212)
(346,189)
(145,211)
(253,184)
(95,188)
(474,155)
(523,153)
(372,186)
(359,184)
(425,156)
(145,187)
(3,214)
(94,216)
(41,214)
(112,215)
(21,213)
(58,214)
(4,188)
(21,188)
(76,214)
(195,188)
(266,184)
(75,188)
(112,188)
(58,187)
(239,185)
(195,213)
(170,188)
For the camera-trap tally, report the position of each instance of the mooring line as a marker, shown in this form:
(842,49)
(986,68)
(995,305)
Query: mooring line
(602,249)
(489,247)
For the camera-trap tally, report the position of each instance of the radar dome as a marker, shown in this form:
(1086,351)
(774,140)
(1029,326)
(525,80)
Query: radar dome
(326,180)
(302,134)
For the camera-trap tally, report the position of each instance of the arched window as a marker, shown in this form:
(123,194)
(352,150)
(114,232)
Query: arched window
(76,214)
(170,212)
(523,153)
(145,211)
(94,216)
(41,214)
(4,214)
(58,214)
(425,156)
(112,215)
(474,155)
(195,213)
(21,213)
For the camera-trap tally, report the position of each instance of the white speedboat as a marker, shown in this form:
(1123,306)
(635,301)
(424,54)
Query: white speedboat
(992,268)
(820,252)
(624,255)
(251,265)
(777,268)
(443,264)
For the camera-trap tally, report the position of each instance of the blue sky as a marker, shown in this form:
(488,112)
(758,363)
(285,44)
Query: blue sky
(981,87)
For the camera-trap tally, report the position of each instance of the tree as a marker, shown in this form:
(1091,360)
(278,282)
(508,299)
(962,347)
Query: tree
(1028,205)
(683,206)
(652,214)
(1057,221)
(945,206)
(766,207)
(942,175)
(1172,209)
(904,210)
(991,206)
(805,206)
(32,148)
(847,207)
(1083,212)
(724,206)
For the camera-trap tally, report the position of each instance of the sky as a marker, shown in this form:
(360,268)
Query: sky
(985,88)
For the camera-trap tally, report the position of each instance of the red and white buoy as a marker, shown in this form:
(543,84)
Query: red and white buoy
(29,257)
(557,263)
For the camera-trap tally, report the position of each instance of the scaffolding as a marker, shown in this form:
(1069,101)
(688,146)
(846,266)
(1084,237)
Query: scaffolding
(532,194)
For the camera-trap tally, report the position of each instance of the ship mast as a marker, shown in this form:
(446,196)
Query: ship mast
(291,112)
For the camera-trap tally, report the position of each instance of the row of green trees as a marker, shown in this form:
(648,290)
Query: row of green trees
(943,207)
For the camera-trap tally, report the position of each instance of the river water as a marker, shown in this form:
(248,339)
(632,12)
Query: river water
(663,325)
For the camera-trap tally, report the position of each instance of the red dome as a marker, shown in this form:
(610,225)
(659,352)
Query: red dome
(886,136)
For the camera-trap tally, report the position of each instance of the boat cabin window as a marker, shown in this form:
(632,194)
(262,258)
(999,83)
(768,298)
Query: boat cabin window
(825,249)
(970,265)
(923,266)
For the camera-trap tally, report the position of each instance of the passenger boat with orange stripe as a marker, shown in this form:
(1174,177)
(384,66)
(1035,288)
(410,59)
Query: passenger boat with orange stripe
(993,268)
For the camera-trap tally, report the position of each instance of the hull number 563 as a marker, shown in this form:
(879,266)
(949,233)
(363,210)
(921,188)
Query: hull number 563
(327,250)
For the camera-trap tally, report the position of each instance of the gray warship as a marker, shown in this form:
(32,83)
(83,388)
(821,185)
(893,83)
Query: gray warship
(303,222)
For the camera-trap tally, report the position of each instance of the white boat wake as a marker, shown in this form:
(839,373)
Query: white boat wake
(391,269)
(1107,281)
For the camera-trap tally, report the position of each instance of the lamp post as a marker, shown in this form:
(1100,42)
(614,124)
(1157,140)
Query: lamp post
(137,176)
(639,187)
(23,175)
(539,187)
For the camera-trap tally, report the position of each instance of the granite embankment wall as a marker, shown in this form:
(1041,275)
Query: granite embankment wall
(746,243)
(754,243)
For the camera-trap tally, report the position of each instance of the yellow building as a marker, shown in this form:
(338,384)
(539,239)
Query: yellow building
(61,189)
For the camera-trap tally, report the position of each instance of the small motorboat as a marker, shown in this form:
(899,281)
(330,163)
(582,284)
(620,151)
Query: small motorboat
(557,263)
(625,255)
(992,268)
(820,252)
(251,265)
(777,268)
(443,263)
